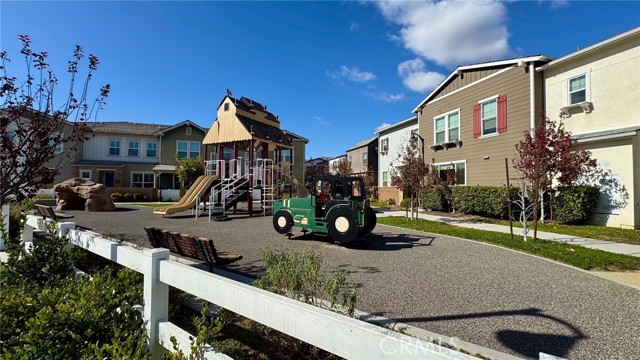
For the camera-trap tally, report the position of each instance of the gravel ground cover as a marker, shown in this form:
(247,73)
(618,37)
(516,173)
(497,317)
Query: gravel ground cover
(483,294)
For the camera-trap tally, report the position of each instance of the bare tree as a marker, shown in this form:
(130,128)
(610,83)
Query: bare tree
(33,124)
(342,167)
(408,172)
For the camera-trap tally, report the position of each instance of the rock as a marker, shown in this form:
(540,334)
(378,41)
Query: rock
(79,194)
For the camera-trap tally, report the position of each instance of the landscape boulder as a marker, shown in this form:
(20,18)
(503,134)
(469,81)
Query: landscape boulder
(80,194)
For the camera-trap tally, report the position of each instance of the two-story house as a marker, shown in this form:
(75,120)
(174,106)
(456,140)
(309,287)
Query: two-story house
(391,140)
(471,122)
(363,157)
(335,162)
(597,89)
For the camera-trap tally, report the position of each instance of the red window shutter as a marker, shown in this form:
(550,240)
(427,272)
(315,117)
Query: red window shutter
(477,127)
(502,114)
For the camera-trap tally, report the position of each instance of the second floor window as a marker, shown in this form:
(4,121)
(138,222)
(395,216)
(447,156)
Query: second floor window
(188,149)
(134,148)
(365,160)
(287,155)
(114,147)
(578,89)
(447,127)
(385,145)
(489,115)
(152,149)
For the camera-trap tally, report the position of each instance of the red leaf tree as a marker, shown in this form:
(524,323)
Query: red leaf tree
(408,172)
(33,124)
(547,155)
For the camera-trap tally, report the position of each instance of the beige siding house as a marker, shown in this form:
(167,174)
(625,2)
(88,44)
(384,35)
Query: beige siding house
(473,119)
(597,89)
(363,157)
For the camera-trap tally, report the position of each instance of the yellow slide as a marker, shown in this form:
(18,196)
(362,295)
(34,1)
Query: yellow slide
(188,201)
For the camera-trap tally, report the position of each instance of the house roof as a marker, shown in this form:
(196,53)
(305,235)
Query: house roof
(182,123)
(400,123)
(322,159)
(265,132)
(127,128)
(250,105)
(594,47)
(294,135)
(607,134)
(363,143)
(460,69)
(338,157)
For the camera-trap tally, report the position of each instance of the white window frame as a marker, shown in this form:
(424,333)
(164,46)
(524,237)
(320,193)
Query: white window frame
(446,126)
(58,148)
(119,147)
(385,182)
(365,160)
(481,103)
(189,153)
(129,148)
(454,163)
(143,173)
(384,144)
(586,88)
(156,149)
(83,171)
(188,130)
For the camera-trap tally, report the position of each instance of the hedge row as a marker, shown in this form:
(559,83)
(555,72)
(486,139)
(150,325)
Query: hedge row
(128,197)
(575,205)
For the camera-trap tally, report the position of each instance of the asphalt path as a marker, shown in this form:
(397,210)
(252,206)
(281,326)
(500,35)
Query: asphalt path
(483,294)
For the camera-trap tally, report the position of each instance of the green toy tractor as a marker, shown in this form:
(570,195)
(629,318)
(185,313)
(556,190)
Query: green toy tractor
(337,207)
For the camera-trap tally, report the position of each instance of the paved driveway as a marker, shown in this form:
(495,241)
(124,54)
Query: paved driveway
(493,297)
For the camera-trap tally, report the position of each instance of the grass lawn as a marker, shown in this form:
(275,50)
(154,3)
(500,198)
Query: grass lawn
(578,256)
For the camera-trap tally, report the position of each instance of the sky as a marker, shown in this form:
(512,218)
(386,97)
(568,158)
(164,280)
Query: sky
(333,71)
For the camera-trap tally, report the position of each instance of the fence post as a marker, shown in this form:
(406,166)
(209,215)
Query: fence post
(156,298)
(5,222)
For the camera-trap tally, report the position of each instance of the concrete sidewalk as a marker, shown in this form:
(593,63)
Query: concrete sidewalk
(610,246)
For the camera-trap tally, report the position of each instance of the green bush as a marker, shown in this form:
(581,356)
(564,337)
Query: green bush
(434,199)
(116,197)
(488,201)
(128,197)
(139,197)
(391,201)
(575,205)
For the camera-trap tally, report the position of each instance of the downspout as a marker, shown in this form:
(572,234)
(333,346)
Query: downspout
(532,95)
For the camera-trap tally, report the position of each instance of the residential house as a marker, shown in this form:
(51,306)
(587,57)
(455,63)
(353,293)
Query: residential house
(391,140)
(364,157)
(471,122)
(295,156)
(597,89)
(335,162)
(321,163)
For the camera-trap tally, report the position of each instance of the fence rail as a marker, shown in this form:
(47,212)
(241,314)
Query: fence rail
(335,333)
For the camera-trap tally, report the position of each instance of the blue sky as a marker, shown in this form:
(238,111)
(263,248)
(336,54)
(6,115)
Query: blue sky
(333,71)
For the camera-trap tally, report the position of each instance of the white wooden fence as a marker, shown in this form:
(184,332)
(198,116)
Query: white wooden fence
(335,333)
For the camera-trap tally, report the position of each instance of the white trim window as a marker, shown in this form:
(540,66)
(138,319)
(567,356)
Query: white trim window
(188,149)
(188,130)
(460,168)
(365,160)
(384,145)
(141,179)
(152,149)
(57,146)
(577,87)
(446,127)
(134,148)
(85,174)
(385,178)
(489,116)
(114,147)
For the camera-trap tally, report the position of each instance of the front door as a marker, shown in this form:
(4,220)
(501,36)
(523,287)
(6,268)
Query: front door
(109,179)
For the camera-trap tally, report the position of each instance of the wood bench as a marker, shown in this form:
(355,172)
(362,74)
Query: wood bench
(47,212)
(194,247)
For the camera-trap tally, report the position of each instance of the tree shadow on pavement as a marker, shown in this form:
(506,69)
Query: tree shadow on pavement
(391,242)
(528,344)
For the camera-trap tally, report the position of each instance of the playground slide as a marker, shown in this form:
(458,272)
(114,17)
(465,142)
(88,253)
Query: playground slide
(188,201)
(302,191)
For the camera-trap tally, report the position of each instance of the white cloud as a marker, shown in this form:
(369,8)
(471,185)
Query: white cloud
(351,74)
(386,97)
(415,76)
(320,121)
(384,125)
(451,32)
(555,4)
(354,26)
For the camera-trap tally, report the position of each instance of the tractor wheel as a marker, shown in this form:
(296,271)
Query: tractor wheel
(282,222)
(342,224)
(373,219)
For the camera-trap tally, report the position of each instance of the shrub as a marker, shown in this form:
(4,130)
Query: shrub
(434,199)
(116,197)
(575,205)
(128,197)
(139,197)
(488,201)
(391,201)
(379,203)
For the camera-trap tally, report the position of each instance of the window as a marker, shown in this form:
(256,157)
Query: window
(114,147)
(226,106)
(385,145)
(365,159)
(188,130)
(134,148)
(458,170)
(85,174)
(385,178)
(152,149)
(489,117)
(53,141)
(578,89)
(188,149)
(142,179)
(287,155)
(447,127)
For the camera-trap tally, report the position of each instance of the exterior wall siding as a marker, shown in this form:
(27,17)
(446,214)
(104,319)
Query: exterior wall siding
(298,159)
(169,143)
(97,148)
(398,138)
(467,78)
(484,156)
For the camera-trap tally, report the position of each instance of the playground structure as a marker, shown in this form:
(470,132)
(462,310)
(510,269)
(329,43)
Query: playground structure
(190,200)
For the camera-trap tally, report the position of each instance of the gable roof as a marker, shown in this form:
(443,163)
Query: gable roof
(263,131)
(363,143)
(400,123)
(126,128)
(296,136)
(249,105)
(182,123)
(460,69)
(594,47)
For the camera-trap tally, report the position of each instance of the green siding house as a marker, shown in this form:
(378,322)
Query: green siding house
(181,140)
